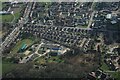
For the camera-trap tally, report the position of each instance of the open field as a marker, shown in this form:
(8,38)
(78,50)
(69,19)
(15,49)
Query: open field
(0,67)
(17,12)
(78,17)
(55,59)
(104,67)
(1,33)
(7,18)
(115,75)
(7,66)
(19,44)
(17,15)
(81,26)
(3,5)
(10,17)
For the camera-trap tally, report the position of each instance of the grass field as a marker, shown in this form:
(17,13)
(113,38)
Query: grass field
(55,59)
(7,66)
(41,60)
(82,26)
(0,66)
(17,15)
(78,17)
(10,17)
(7,18)
(1,33)
(104,67)
(2,5)
(19,44)
(115,75)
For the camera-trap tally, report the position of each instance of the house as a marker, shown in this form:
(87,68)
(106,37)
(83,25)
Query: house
(109,16)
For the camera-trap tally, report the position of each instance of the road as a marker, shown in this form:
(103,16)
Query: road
(42,54)
(13,35)
(36,52)
(92,14)
(91,19)
(26,59)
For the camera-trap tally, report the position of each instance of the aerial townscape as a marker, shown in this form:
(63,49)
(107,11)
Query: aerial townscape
(60,40)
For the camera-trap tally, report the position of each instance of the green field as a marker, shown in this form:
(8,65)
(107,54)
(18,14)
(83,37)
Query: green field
(0,67)
(78,17)
(10,17)
(115,75)
(41,60)
(82,26)
(7,66)
(17,15)
(55,59)
(104,67)
(19,44)
(2,5)
(7,18)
